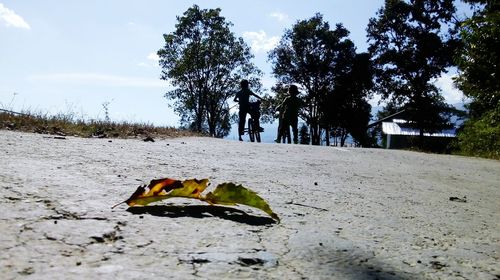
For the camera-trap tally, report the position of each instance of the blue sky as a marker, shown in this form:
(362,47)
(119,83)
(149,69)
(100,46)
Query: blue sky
(73,56)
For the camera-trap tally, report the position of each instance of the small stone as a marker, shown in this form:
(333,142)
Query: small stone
(98,239)
(437,265)
(250,261)
(457,199)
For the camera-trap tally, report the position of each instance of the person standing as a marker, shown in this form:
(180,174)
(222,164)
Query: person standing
(291,107)
(243,99)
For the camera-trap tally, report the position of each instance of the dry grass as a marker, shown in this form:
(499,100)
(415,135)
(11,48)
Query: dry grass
(67,124)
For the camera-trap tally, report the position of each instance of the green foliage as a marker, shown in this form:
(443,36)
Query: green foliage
(410,48)
(318,59)
(481,137)
(478,63)
(479,60)
(205,61)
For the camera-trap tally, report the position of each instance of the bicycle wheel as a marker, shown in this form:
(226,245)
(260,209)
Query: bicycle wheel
(250,130)
(256,130)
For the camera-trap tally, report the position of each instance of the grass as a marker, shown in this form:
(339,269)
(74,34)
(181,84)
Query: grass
(68,124)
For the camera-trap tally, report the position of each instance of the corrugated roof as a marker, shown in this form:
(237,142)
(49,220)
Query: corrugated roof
(394,129)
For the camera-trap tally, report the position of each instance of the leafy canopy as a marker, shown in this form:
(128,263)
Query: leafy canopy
(479,60)
(478,64)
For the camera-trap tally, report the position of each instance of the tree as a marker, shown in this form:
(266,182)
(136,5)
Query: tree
(411,46)
(311,55)
(479,71)
(349,98)
(479,59)
(204,61)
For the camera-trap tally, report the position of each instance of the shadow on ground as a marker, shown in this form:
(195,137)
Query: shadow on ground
(344,259)
(202,211)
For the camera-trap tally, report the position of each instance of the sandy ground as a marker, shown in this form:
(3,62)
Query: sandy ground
(345,213)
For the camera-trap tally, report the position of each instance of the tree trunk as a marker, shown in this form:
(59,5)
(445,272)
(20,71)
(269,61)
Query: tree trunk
(212,120)
(343,137)
(327,136)
(212,128)
(199,121)
(315,132)
(315,135)
(421,139)
(199,113)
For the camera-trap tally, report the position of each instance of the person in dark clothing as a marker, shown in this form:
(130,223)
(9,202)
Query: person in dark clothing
(290,107)
(283,127)
(280,135)
(243,98)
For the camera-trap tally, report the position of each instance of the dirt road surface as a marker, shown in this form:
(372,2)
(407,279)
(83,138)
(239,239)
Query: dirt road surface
(346,213)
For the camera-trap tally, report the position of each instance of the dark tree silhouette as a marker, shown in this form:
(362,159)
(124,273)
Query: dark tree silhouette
(312,55)
(204,61)
(411,46)
(348,109)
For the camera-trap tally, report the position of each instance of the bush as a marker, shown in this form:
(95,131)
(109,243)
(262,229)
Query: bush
(481,137)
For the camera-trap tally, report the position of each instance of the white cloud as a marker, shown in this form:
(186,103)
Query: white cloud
(153,60)
(95,79)
(260,42)
(153,56)
(452,94)
(281,17)
(10,18)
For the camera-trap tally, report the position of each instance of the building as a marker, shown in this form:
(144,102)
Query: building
(399,135)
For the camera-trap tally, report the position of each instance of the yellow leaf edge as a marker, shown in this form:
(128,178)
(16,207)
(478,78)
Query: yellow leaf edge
(210,198)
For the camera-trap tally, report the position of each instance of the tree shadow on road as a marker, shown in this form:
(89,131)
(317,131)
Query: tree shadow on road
(349,260)
(202,211)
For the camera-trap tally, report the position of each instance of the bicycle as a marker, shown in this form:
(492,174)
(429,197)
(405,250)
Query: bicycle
(253,124)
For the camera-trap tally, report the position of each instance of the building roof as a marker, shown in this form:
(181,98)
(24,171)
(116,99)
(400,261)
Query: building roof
(387,118)
(396,128)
